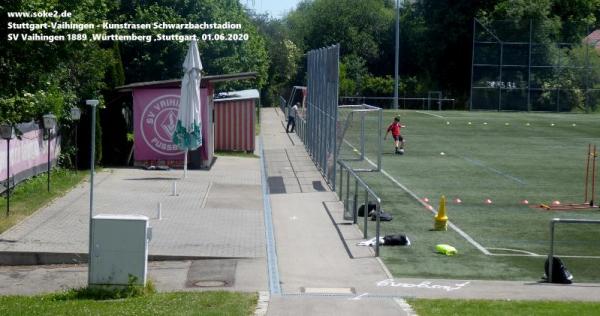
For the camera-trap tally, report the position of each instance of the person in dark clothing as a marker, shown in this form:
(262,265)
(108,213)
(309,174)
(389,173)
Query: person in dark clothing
(292,119)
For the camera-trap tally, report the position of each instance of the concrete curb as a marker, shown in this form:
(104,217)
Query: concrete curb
(22,258)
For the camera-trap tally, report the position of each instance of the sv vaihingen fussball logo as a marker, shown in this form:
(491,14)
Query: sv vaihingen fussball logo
(159,121)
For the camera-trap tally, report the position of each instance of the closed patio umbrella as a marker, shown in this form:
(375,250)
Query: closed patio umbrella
(188,133)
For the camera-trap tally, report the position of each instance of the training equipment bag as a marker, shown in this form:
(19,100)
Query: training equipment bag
(383,216)
(396,240)
(371,208)
(560,274)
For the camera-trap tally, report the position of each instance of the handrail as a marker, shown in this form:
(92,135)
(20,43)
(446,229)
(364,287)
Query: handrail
(368,193)
(565,221)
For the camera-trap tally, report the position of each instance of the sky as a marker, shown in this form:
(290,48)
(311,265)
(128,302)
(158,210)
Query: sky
(276,8)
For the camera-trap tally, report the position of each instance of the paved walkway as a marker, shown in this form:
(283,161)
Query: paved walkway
(216,218)
(317,274)
(216,213)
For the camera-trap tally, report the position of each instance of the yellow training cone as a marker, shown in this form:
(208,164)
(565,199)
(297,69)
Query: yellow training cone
(441,220)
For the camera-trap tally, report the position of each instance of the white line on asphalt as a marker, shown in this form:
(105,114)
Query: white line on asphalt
(205,199)
(357,298)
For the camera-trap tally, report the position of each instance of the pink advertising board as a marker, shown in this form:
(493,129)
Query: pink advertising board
(155,119)
(28,154)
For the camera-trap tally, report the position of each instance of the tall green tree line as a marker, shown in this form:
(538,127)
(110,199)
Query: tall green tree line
(435,38)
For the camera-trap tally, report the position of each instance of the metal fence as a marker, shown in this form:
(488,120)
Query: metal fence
(528,66)
(432,102)
(350,199)
(317,127)
(283,106)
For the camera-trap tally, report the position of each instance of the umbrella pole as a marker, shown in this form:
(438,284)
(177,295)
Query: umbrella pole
(185,164)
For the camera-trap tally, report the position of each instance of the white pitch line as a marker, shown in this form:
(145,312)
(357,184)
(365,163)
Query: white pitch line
(427,113)
(458,230)
(529,253)
(538,255)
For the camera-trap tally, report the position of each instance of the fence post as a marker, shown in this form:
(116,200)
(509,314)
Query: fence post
(341,181)
(377,227)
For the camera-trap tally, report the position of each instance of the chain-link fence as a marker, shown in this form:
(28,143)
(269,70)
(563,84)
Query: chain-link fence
(317,126)
(528,65)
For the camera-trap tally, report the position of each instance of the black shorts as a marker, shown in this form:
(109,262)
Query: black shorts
(399,137)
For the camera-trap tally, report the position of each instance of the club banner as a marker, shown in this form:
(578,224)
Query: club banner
(155,120)
(28,155)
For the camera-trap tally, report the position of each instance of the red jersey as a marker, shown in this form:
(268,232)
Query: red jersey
(394,128)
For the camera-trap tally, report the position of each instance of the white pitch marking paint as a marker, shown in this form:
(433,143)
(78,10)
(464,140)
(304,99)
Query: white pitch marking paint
(516,250)
(429,207)
(427,113)
(357,298)
(426,284)
(205,199)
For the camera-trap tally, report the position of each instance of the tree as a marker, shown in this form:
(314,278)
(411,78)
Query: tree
(162,60)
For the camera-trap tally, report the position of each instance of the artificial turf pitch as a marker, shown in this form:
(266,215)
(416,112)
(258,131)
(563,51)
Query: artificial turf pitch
(504,157)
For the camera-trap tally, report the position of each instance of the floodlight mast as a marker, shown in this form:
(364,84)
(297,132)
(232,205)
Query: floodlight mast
(396,58)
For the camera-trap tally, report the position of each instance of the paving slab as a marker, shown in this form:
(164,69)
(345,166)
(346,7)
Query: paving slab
(216,213)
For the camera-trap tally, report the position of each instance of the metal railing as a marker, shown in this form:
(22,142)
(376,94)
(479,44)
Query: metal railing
(553,222)
(369,195)
(283,106)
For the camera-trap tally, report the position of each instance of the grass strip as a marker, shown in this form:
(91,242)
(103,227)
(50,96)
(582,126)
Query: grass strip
(175,303)
(448,307)
(32,194)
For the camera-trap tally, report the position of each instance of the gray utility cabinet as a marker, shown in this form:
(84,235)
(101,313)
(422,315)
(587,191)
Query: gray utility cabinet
(119,252)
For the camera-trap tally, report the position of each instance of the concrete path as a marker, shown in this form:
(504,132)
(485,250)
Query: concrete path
(316,272)
(217,213)
(216,218)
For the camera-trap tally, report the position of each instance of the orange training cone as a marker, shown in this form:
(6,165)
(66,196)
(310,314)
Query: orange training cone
(441,220)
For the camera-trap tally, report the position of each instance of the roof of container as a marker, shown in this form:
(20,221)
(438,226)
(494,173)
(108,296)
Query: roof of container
(237,95)
(176,83)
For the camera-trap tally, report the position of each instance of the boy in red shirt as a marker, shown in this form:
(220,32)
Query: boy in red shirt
(398,140)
